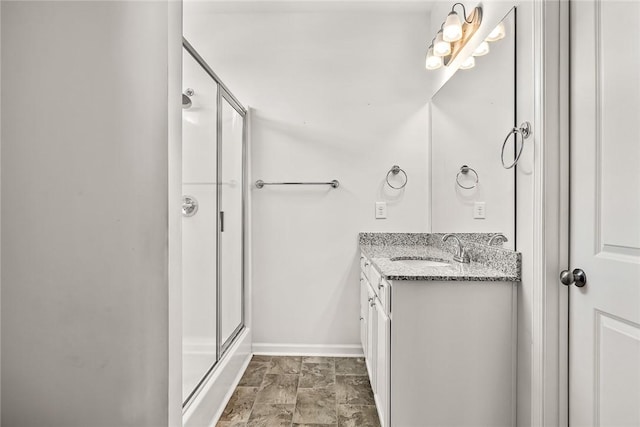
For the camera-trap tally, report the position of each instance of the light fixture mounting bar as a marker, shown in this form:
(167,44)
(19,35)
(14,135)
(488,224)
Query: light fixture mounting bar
(464,12)
(469,28)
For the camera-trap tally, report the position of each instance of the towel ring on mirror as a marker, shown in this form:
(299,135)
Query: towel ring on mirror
(464,169)
(395,170)
(525,132)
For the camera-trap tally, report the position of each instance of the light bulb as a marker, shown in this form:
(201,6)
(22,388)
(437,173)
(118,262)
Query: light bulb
(452,30)
(482,49)
(497,33)
(433,62)
(470,62)
(441,47)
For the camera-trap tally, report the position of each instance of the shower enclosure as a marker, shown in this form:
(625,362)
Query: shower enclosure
(213,163)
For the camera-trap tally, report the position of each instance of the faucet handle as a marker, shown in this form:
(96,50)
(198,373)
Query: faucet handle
(498,239)
(447,236)
(463,256)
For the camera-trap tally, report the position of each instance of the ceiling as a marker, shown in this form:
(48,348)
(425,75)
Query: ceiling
(280,6)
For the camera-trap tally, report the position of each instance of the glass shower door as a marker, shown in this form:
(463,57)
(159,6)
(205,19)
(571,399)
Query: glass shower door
(213,164)
(230,255)
(199,233)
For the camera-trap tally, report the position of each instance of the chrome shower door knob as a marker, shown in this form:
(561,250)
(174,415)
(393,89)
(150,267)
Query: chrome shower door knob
(577,277)
(189,206)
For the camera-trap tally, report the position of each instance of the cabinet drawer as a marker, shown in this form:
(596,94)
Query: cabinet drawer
(367,268)
(384,295)
(381,288)
(364,265)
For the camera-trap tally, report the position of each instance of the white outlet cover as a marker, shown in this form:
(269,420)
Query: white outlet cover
(381,210)
(479,210)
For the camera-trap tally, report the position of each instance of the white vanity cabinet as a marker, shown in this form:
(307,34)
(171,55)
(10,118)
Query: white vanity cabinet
(375,335)
(440,353)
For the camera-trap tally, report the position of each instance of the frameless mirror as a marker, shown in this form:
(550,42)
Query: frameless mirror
(470,117)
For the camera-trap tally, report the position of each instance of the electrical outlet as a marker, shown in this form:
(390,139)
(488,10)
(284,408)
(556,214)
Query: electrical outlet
(479,210)
(381,210)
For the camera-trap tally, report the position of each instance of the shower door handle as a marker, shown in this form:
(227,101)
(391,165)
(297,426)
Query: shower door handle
(222,221)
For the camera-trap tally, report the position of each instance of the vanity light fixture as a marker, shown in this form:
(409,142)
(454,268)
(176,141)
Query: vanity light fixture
(433,62)
(468,63)
(452,29)
(453,35)
(482,49)
(498,33)
(441,47)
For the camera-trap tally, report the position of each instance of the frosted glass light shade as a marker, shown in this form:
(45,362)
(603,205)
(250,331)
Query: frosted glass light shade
(433,62)
(497,33)
(452,29)
(470,62)
(482,49)
(441,47)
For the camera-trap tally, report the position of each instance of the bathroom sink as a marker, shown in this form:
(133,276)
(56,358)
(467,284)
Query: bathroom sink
(420,262)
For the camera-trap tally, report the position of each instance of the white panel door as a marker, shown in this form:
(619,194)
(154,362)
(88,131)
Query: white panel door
(604,315)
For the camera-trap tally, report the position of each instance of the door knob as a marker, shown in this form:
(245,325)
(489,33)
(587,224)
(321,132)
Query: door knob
(577,277)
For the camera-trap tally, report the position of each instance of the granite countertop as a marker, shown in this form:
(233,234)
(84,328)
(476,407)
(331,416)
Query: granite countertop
(488,263)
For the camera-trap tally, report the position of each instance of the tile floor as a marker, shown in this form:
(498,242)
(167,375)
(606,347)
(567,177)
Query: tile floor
(302,391)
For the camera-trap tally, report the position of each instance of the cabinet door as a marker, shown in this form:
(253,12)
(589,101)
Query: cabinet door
(371,338)
(383,349)
(364,312)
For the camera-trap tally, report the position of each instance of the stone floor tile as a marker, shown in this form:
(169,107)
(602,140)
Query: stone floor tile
(350,366)
(271,415)
(316,406)
(354,390)
(279,389)
(239,407)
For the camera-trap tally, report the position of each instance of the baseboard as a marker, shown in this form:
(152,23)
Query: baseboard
(334,350)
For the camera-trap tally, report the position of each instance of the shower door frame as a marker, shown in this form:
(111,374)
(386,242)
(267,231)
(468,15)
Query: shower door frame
(223,91)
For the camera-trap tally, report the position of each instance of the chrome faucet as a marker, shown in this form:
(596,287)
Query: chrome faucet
(498,238)
(462,255)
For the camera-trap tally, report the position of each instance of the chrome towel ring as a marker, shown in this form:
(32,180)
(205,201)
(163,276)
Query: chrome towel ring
(524,131)
(395,170)
(464,169)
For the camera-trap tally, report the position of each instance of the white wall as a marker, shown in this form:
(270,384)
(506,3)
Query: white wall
(85,186)
(337,92)
(0,215)
(174,122)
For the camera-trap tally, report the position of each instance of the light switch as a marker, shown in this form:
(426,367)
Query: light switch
(381,210)
(479,210)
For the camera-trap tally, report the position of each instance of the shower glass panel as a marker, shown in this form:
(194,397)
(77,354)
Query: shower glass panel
(230,266)
(213,164)
(199,247)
